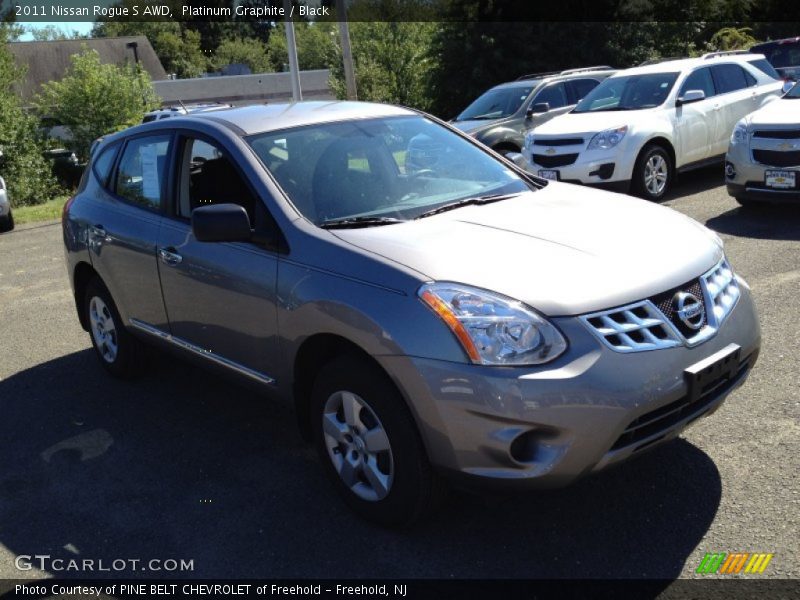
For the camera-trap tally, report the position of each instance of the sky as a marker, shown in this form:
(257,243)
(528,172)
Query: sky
(80,27)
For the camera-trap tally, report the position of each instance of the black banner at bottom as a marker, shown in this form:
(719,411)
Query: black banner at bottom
(728,589)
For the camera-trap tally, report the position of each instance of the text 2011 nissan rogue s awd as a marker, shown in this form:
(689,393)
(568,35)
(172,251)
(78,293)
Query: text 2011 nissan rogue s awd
(429,309)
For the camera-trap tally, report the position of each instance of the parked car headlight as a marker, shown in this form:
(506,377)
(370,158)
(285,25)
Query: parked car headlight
(493,329)
(739,134)
(608,138)
(528,140)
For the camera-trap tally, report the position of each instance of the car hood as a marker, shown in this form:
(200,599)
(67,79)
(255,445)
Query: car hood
(590,123)
(779,112)
(473,126)
(564,250)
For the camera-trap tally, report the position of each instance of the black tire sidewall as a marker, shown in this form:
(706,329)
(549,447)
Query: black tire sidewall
(638,174)
(7,222)
(410,489)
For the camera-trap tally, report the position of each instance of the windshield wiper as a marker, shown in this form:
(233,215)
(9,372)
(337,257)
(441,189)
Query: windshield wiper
(466,202)
(353,222)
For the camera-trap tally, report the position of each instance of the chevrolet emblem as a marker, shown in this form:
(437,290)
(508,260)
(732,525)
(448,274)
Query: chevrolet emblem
(550,151)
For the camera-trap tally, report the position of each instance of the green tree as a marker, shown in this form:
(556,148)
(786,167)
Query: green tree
(26,172)
(732,38)
(316,46)
(95,99)
(248,51)
(392,60)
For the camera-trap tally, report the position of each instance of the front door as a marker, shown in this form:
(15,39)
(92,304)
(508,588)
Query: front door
(219,296)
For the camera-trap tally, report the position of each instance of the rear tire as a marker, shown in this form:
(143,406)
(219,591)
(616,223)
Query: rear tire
(653,173)
(369,444)
(120,353)
(7,224)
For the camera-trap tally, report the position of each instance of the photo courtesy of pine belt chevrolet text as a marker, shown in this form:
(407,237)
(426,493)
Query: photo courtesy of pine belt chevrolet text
(436,314)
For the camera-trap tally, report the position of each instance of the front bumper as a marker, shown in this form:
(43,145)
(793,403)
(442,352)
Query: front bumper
(545,427)
(749,176)
(602,168)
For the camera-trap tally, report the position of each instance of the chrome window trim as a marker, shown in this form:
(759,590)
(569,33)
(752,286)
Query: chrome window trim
(202,352)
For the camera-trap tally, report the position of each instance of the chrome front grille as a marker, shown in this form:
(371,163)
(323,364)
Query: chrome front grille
(633,328)
(654,323)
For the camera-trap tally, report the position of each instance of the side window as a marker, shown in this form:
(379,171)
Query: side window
(580,87)
(729,78)
(699,80)
(554,95)
(207,176)
(142,169)
(751,81)
(103,164)
(762,65)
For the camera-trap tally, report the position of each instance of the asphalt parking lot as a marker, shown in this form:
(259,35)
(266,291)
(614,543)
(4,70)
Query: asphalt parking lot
(183,465)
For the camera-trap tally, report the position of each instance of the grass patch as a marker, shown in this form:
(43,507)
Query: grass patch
(40,212)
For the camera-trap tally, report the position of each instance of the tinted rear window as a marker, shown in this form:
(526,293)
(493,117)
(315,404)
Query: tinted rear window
(104,162)
(729,78)
(762,64)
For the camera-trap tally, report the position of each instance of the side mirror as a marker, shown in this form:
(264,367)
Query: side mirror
(787,85)
(221,223)
(538,108)
(690,96)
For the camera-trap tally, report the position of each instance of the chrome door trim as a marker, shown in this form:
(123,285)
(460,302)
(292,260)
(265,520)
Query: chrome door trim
(203,353)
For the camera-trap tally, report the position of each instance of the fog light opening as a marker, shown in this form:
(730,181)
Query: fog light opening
(526,447)
(730,171)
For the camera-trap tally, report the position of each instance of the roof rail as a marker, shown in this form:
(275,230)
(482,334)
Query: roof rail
(655,61)
(582,69)
(724,53)
(535,75)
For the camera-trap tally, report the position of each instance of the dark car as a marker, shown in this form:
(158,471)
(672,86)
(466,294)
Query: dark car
(783,55)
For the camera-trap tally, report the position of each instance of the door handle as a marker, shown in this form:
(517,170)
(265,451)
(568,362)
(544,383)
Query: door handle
(717,106)
(169,257)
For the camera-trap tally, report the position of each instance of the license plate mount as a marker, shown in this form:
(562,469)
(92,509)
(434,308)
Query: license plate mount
(721,366)
(781,180)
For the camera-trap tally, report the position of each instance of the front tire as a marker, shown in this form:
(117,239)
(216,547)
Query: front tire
(7,224)
(369,445)
(119,352)
(653,173)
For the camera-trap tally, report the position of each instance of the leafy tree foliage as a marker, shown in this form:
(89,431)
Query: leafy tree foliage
(316,45)
(95,99)
(25,171)
(248,51)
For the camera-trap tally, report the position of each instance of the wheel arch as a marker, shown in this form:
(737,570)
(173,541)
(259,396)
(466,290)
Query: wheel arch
(665,144)
(81,276)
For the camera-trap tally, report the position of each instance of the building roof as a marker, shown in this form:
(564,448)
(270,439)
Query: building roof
(48,61)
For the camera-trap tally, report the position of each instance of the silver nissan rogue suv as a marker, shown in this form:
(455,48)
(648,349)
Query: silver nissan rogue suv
(431,310)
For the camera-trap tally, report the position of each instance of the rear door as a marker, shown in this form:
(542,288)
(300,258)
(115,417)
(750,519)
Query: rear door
(737,91)
(126,214)
(220,297)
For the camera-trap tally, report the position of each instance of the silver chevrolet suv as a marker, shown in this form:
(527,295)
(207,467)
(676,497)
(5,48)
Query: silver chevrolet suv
(431,311)
(501,116)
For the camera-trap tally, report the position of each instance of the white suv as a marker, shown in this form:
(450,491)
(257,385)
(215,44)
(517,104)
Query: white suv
(640,126)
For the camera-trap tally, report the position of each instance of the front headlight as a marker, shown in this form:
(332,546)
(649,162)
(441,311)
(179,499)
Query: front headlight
(608,138)
(493,329)
(739,134)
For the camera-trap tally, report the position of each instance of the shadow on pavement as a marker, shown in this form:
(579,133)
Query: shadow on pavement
(183,465)
(760,221)
(697,182)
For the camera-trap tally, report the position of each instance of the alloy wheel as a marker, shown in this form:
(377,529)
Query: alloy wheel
(656,172)
(358,446)
(104,330)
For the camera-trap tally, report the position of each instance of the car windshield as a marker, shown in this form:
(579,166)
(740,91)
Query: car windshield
(794,93)
(631,92)
(781,55)
(382,170)
(496,103)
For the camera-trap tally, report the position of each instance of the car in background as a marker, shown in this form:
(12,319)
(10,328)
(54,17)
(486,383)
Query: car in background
(763,159)
(641,126)
(182,110)
(462,320)
(6,218)
(782,55)
(501,116)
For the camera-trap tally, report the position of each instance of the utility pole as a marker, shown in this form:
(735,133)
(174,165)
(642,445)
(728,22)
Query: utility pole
(291,48)
(347,54)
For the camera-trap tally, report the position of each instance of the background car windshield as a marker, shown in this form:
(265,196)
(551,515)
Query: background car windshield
(496,104)
(397,167)
(632,92)
(782,55)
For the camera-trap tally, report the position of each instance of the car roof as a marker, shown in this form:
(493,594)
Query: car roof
(537,78)
(260,118)
(684,64)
